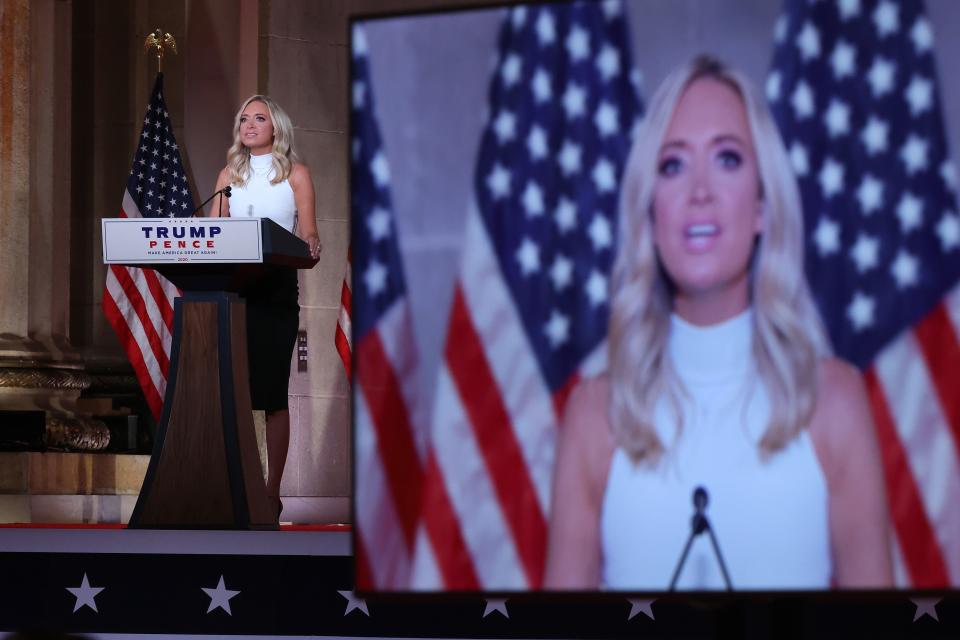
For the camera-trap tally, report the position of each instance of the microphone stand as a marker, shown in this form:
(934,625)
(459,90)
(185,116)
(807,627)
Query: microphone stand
(698,525)
(225,191)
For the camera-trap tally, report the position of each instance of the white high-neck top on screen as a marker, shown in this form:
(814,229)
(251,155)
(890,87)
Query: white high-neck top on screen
(260,199)
(770,517)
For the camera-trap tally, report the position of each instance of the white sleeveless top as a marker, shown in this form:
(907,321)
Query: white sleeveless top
(260,199)
(770,518)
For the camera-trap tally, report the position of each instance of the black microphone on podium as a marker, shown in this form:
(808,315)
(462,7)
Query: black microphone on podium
(698,524)
(225,191)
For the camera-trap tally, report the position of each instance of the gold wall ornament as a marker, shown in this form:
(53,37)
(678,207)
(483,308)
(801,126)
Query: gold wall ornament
(76,433)
(112,382)
(44,378)
(160,41)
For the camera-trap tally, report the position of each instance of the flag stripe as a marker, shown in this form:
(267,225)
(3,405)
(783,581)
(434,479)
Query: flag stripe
(471,492)
(144,306)
(377,512)
(162,292)
(364,580)
(345,292)
(396,331)
(448,546)
(901,576)
(381,391)
(378,522)
(158,305)
(344,334)
(923,429)
(343,349)
(920,550)
(494,431)
(136,329)
(424,571)
(146,373)
(128,206)
(345,302)
(937,338)
(925,436)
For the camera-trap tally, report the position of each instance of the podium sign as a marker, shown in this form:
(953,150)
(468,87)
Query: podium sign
(133,241)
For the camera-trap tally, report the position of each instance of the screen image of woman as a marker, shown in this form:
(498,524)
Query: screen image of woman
(268,181)
(720,376)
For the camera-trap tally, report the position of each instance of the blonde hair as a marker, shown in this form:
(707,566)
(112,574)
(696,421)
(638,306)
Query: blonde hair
(238,156)
(788,337)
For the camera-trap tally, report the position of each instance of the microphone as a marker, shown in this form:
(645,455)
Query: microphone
(698,524)
(700,500)
(225,191)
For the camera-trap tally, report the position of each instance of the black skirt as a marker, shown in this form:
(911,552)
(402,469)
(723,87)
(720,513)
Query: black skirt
(273,317)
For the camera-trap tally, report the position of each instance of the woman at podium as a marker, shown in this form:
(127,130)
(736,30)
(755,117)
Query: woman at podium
(720,377)
(267,180)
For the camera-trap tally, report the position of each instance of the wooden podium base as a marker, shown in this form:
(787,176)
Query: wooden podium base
(205,470)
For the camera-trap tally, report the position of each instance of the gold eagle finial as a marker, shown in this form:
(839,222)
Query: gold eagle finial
(161,41)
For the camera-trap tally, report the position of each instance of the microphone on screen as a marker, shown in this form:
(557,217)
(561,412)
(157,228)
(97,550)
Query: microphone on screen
(698,524)
(700,501)
(225,191)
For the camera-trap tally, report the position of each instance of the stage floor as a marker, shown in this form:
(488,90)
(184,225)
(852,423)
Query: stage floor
(55,509)
(290,540)
(105,581)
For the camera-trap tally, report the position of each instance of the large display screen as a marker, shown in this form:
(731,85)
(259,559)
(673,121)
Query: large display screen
(504,442)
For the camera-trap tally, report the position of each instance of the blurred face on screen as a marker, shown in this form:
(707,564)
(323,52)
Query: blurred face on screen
(256,128)
(706,200)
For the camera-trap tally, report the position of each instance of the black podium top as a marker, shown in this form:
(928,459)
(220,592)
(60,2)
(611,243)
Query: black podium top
(281,249)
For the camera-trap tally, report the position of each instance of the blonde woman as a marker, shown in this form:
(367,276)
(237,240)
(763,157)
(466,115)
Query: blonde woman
(268,181)
(720,376)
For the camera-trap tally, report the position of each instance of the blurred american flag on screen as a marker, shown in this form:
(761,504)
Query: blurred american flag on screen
(388,436)
(854,89)
(530,303)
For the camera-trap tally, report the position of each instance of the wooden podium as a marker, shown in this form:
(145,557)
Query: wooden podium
(205,470)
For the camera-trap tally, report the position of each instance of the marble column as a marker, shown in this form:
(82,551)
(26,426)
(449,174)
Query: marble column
(39,368)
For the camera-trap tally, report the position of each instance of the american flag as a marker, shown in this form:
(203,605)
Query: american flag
(530,304)
(854,89)
(388,436)
(138,303)
(343,338)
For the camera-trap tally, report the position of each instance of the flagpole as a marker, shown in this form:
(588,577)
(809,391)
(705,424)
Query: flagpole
(161,41)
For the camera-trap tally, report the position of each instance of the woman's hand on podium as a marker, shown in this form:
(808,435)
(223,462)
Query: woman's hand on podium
(313,241)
